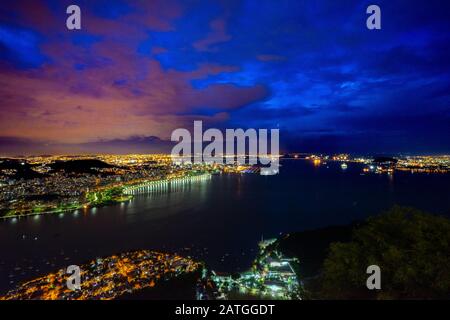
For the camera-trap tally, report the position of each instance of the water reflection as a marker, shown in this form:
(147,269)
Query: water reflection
(215,220)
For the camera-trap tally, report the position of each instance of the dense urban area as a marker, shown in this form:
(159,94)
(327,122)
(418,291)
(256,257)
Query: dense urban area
(54,184)
(271,276)
(107,278)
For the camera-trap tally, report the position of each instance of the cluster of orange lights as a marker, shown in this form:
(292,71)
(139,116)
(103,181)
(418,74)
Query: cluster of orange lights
(107,278)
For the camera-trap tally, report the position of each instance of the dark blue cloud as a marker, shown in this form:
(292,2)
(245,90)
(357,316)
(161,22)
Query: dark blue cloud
(20,46)
(332,83)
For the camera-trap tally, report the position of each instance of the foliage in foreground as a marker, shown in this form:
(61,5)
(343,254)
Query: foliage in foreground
(412,249)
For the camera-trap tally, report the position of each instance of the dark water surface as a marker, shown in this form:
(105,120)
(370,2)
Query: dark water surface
(219,221)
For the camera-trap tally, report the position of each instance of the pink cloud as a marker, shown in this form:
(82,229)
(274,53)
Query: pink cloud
(217,35)
(118,93)
(270,57)
(158,50)
(60,103)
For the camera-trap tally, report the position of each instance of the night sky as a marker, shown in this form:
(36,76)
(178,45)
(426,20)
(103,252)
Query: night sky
(139,69)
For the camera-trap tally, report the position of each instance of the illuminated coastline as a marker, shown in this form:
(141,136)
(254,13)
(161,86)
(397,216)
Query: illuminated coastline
(59,184)
(107,278)
(164,185)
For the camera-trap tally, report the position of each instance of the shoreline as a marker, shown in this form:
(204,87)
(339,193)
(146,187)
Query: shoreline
(82,207)
(124,194)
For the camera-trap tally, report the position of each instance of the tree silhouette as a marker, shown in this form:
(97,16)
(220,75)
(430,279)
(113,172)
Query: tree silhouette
(412,249)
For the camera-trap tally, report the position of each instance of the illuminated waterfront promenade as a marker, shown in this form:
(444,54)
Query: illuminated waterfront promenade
(165,185)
